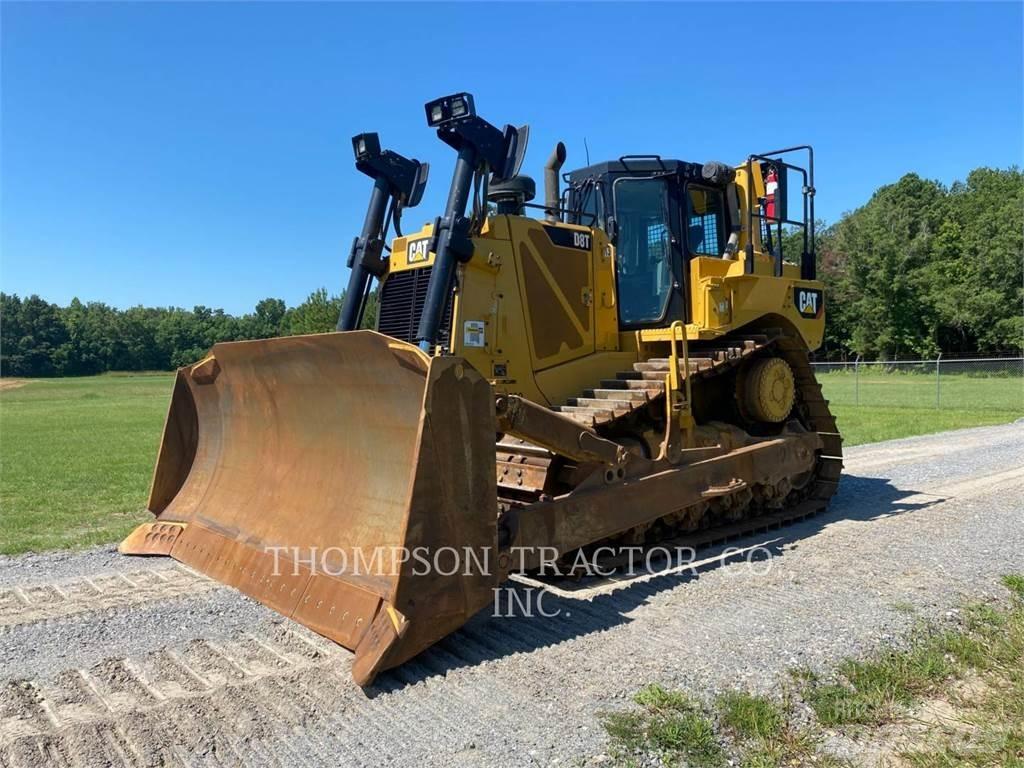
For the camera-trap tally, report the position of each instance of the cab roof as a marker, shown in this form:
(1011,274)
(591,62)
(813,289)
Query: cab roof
(640,165)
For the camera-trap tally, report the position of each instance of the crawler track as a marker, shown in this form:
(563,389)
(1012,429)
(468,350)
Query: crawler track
(625,407)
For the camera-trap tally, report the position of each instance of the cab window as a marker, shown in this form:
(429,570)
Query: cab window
(643,250)
(586,200)
(705,221)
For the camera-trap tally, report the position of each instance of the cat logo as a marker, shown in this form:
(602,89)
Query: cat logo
(417,250)
(808,302)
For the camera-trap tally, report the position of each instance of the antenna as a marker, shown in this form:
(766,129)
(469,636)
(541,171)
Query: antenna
(586,149)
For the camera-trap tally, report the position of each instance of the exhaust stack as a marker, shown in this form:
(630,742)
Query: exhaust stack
(551,194)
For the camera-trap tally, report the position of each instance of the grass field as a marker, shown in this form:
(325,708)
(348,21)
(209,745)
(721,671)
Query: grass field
(867,424)
(883,406)
(76,454)
(921,390)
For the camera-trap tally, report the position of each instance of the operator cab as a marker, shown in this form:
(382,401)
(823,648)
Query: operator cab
(660,214)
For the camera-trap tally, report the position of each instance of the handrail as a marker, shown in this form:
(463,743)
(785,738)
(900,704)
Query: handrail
(678,393)
(808,268)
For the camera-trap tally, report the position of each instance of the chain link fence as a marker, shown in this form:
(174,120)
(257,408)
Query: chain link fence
(995,384)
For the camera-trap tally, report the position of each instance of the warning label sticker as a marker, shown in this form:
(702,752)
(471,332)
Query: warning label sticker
(473,333)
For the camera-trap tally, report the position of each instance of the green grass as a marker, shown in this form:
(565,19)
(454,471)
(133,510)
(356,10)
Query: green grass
(668,724)
(76,457)
(1015,583)
(918,390)
(880,701)
(987,725)
(871,424)
(874,691)
(878,690)
(751,717)
(902,404)
(752,731)
(761,732)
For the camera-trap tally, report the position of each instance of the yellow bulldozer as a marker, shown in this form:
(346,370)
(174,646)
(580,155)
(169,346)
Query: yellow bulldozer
(629,366)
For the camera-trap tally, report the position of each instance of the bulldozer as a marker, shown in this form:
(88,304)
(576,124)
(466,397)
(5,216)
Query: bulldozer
(628,365)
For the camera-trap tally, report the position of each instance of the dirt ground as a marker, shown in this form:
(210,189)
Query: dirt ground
(109,660)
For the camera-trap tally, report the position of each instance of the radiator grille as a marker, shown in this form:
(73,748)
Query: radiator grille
(402,297)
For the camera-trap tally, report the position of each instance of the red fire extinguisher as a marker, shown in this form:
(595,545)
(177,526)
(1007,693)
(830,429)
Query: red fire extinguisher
(771,186)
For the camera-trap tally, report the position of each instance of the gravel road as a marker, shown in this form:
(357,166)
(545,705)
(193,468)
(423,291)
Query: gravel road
(115,660)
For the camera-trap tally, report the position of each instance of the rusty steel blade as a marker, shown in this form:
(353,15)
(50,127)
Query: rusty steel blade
(305,471)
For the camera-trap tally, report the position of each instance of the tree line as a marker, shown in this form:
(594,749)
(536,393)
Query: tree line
(923,268)
(38,338)
(920,269)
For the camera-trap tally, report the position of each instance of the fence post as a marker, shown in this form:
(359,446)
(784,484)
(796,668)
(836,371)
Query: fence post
(938,381)
(856,381)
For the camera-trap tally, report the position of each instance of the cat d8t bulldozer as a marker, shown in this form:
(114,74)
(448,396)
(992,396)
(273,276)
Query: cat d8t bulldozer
(628,366)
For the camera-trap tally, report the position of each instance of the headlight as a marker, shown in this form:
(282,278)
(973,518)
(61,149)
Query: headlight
(366,145)
(447,108)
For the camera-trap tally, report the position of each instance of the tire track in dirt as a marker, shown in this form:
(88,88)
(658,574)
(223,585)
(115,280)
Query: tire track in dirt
(166,707)
(228,703)
(46,601)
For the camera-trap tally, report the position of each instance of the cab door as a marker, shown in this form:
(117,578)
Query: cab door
(647,251)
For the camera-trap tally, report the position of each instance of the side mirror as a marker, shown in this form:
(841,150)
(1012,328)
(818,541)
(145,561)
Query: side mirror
(419,184)
(516,140)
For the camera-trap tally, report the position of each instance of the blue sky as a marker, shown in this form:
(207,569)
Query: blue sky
(199,154)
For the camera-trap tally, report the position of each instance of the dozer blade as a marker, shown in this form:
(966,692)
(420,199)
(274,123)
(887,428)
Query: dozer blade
(334,478)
